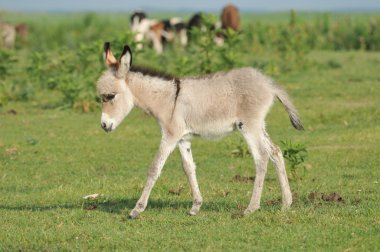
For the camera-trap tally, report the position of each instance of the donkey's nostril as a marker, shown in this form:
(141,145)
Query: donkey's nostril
(104,125)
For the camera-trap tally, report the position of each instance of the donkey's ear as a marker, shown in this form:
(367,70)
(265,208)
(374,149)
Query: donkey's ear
(125,60)
(109,59)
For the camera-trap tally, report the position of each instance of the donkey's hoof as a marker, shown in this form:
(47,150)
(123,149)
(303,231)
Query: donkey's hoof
(194,210)
(192,213)
(134,214)
(249,210)
(286,204)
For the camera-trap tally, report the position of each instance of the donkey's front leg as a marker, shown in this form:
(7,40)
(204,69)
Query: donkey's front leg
(189,168)
(166,147)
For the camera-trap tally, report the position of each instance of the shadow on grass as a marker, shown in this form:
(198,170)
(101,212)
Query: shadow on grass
(118,206)
(121,205)
(36,208)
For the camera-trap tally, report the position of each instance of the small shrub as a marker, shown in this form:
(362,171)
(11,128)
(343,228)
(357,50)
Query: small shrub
(12,90)
(333,64)
(7,61)
(295,154)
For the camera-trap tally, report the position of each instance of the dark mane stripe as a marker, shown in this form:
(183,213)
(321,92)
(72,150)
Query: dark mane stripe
(178,89)
(152,72)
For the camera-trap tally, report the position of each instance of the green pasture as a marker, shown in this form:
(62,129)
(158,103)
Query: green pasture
(51,155)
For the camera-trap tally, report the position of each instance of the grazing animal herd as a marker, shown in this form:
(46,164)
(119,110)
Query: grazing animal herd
(155,32)
(208,106)
(159,32)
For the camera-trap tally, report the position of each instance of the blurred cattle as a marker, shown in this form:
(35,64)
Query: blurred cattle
(166,31)
(158,32)
(230,18)
(140,26)
(22,31)
(196,21)
(8,34)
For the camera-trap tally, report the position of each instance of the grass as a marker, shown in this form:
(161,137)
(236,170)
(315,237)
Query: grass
(50,159)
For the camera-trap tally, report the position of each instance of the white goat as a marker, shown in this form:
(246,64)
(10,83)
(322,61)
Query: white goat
(207,106)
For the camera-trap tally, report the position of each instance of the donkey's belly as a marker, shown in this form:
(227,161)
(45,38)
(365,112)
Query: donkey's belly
(213,130)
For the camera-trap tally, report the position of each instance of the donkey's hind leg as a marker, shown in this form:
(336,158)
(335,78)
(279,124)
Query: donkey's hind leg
(262,149)
(278,161)
(254,138)
(189,168)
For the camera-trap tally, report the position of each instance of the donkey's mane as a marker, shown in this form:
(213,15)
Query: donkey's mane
(152,72)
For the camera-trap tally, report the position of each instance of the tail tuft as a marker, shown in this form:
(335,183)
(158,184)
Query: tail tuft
(282,96)
(295,120)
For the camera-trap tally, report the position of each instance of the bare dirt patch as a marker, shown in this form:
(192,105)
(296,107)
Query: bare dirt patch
(12,112)
(242,179)
(237,215)
(278,201)
(176,191)
(91,207)
(317,198)
(332,197)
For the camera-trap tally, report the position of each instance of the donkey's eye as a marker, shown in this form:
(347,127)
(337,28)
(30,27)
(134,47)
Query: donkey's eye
(108,97)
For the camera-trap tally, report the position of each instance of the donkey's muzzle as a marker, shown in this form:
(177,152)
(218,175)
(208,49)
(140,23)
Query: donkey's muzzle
(107,128)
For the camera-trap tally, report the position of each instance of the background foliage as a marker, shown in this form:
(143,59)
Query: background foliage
(63,52)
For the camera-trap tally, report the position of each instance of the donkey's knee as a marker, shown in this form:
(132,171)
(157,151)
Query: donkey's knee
(278,160)
(275,155)
(275,151)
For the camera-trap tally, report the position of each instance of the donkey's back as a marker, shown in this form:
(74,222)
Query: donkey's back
(232,86)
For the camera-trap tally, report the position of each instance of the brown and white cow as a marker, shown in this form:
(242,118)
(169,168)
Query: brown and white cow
(157,31)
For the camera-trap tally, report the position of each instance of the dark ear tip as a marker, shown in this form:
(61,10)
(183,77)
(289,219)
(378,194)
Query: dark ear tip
(126,49)
(107,45)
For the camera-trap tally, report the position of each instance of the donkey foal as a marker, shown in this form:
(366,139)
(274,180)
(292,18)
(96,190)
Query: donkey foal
(207,106)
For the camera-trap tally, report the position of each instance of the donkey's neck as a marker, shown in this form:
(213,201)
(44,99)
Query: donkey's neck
(155,95)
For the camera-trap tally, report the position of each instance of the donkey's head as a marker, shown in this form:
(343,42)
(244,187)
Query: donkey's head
(113,90)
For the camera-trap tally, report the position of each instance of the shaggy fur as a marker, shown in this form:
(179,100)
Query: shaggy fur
(208,106)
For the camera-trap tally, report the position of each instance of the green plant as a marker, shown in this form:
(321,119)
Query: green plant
(295,154)
(240,150)
(13,90)
(7,59)
(210,57)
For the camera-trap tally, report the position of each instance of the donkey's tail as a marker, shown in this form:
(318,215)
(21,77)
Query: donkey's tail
(283,97)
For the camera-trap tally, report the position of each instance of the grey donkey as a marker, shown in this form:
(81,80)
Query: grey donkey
(208,106)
